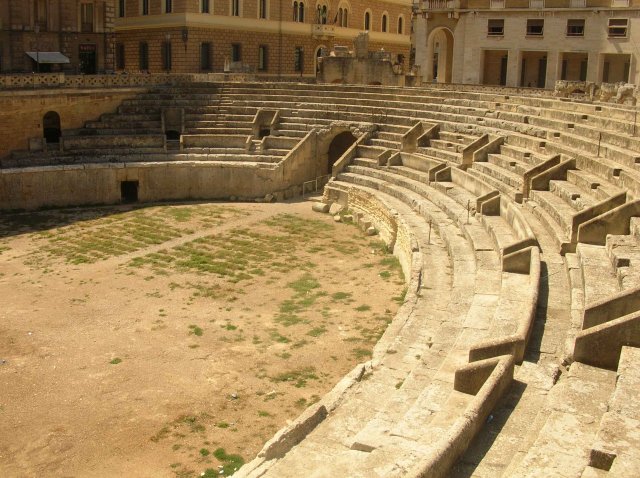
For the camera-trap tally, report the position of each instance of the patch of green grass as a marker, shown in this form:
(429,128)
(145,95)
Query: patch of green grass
(204,452)
(116,361)
(340,296)
(262,413)
(278,337)
(400,298)
(195,330)
(363,308)
(317,331)
(230,463)
(222,425)
(298,377)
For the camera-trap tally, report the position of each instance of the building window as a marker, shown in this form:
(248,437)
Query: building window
(144,56)
(205,57)
(535,27)
(321,15)
(384,22)
(400,25)
(165,51)
(298,12)
(86,17)
(121,8)
(168,6)
(120,56)
(204,6)
(298,59)
(236,52)
(235,8)
(495,28)
(343,17)
(262,57)
(575,28)
(367,21)
(262,9)
(618,27)
(40,14)
(145,7)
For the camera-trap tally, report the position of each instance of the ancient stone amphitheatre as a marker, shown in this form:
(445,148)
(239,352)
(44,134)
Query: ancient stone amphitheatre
(514,218)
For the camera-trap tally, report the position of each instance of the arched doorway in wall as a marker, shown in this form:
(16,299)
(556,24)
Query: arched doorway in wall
(320,50)
(51,127)
(439,56)
(338,146)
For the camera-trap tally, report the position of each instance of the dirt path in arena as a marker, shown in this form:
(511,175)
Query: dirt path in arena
(173,340)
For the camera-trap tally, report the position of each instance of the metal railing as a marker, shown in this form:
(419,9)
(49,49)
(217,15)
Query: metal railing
(316,183)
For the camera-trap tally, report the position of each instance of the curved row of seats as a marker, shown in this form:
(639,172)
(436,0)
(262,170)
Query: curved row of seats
(423,432)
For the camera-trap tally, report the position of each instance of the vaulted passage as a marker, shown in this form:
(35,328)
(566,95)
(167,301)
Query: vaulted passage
(338,146)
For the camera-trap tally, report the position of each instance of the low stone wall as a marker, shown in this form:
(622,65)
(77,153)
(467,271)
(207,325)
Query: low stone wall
(75,185)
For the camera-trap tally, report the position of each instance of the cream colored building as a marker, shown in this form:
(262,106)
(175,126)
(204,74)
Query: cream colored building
(530,43)
(268,37)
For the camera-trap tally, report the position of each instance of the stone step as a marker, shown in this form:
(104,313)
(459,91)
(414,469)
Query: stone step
(598,187)
(598,276)
(454,137)
(572,194)
(556,231)
(624,255)
(383,143)
(444,155)
(446,145)
(570,423)
(561,211)
(510,178)
(616,449)
(514,165)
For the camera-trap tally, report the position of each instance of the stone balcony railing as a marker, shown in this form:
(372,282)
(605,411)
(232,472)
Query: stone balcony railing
(440,4)
(323,32)
(61,80)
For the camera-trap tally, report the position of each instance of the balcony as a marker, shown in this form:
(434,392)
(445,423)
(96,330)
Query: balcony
(440,4)
(496,4)
(619,3)
(323,32)
(578,3)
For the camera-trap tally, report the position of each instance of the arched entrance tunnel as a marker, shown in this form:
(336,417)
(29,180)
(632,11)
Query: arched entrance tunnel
(338,146)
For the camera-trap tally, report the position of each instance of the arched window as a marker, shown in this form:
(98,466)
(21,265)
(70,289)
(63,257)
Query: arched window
(235,8)
(51,127)
(262,9)
(345,18)
(340,16)
(295,11)
(384,22)
(301,13)
(324,14)
(400,25)
(367,21)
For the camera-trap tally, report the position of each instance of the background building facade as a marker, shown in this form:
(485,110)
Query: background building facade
(268,37)
(80,30)
(527,43)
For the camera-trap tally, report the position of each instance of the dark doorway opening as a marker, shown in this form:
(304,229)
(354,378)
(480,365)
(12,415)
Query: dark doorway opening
(264,132)
(51,127)
(172,135)
(88,59)
(129,191)
(340,144)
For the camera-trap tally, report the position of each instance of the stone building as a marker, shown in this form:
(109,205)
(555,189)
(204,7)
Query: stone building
(268,37)
(75,36)
(528,43)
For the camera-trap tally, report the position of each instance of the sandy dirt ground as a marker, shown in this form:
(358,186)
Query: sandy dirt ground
(174,340)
